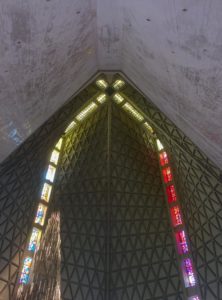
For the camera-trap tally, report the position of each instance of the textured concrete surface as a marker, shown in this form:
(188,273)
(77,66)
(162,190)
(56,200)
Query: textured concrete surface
(47,51)
(172,50)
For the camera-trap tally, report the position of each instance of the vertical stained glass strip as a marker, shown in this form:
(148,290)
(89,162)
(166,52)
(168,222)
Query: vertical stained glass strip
(175,216)
(167,175)
(59,144)
(46,192)
(194,298)
(34,240)
(159,145)
(182,245)
(171,193)
(163,158)
(54,157)
(188,273)
(24,279)
(50,173)
(40,215)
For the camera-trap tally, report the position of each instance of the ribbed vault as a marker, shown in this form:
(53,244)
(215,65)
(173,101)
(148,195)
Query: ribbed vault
(117,232)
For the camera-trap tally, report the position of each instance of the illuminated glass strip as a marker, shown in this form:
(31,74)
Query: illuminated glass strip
(159,145)
(86,111)
(102,98)
(71,126)
(147,126)
(188,273)
(175,215)
(46,192)
(24,279)
(171,193)
(118,98)
(54,157)
(34,239)
(102,84)
(194,298)
(163,158)
(50,175)
(181,241)
(167,175)
(118,84)
(133,112)
(41,214)
(59,144)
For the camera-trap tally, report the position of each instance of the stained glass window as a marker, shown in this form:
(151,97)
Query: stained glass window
(26,270)
(163,159)
(71,126)
(171,193)
(86,111)
(34,240)
(40,215)
(46,192)
(175,216)
(101,98)
(188,273)
(159,145)
(50,173)
(54,157)
(194,298)
(147,126)
(118,84)
(118,98)
(167,175)
(181,242)
(59,144)
(132,111)
(102,84)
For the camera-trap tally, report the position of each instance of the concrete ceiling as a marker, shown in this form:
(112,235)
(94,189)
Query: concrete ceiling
(171,50)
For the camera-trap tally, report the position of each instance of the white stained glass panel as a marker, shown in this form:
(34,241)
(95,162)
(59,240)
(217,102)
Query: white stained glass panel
(159,145)
(133,112)
(71,126)
(50,175)
(46,192)
(86,111)
(54,157)
(59,144)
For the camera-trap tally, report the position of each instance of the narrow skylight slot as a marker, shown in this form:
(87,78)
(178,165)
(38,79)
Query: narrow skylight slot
(46,192)
(50,173)
(54,157)
(159,145)
(147,126)
(86,111)
(118,98)
(59,144)
(71,126)
(133,112)
(101,98)
(118,84)
(101,83)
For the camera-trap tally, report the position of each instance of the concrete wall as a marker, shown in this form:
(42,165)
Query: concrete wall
(170,49)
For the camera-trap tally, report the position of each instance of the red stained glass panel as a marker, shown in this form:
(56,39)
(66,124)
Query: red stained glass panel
(171,193)
(163,159)
(181,242)
(167,175)
(175,216)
